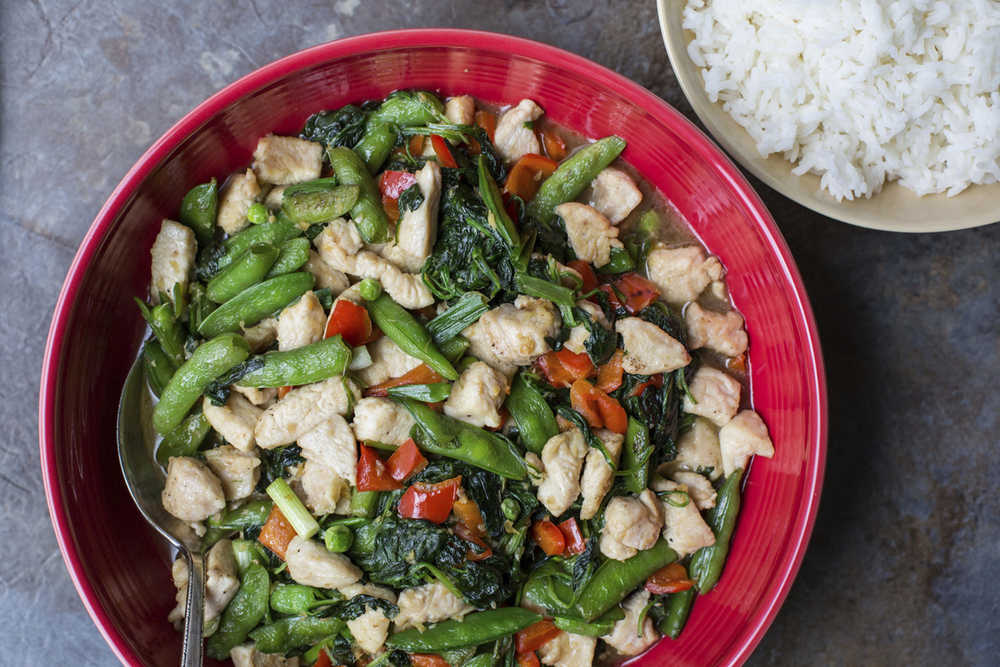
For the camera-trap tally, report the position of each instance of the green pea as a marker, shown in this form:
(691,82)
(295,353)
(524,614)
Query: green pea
(707,562)
(536,422)
(409,334)
(370,289)
(338,539)
(257,213)
(376,144)
(168,331)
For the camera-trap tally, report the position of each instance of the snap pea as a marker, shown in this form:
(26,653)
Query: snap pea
(409,334)
(292,256)
(454,348)
(158,366)
(376,144)
(573,175)
(243,613)
(315,185)
(439,434)
(208,362)
(270,233)
(303,365)
(615,579)
(428,393)
(257,302)
(364,503)
(459,316)
(338,538)
(248,269)
(536,422)
(200,305)
(707,562)
(295,599)
(476,628)
(198,209)
(251,515)
(166,328)
(635,456)
(257,214)
(367,212)
(677,609)
(596,628)
(315,206)
(498,216)
(619,262)
(184,439)
(407,108)
(640,240)
(290,633)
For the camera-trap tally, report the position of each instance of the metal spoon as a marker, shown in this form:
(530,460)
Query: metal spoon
(145,480)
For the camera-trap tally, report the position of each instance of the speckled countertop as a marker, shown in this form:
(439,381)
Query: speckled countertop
(902,568)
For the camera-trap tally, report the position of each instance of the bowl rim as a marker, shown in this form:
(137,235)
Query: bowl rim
(762,617)
(707,111)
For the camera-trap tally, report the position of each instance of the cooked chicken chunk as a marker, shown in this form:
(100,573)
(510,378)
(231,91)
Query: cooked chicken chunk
(321,487)
(172,258)
(235,201)
(311,564)
(631,525)
(568,650)
(285,160)
(513,334)
(238,471)
(477,395)
(221,582)
(721,332)
(338,245)
(627,637)
(326,276)
(192,492)
(247,655)
(649,349)
(427,604)
(257,395)
(716,396)
(461,110)
(417,229)
(744,436)
(370,629)
(698,487)
(275,196)
(303,409)
(590,234)
(535,467)
(332,444)
(597,474)
(614,194)
(513,138)
(563,457)
(682,274)
(698,450)
(684,529)
(388,361)
(579,334)
(382,420)
(262,335)
(235,421)
(301,323)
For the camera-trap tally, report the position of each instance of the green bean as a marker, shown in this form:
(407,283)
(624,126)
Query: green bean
(200,307)
(498,216)
(408,108)
(459,316)
(303,365)
(364,503)
(376,144)
(620,262)
(536,422)
(292,256)
(409,334)
(296,599)
(573,175)
(198,209)
(257,214)
(596,628)
(677,609)
(158,366)
(707,562)
(428,393)
(367,212)
(635,456)
(454,348)
(208,362)
(166,328)
(338,538)
(257,302)
(320,205)
(244,612)
(476,628)
(247,270)
(184,439)
(615,579)
(269,233)
(439,434)
(291,633)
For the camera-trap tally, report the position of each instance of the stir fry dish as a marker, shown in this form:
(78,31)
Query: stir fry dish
(444,384)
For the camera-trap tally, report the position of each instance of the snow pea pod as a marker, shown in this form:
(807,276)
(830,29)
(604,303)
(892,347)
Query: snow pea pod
(158,366)
(536,422)
(292,256)
(257,302)
(367,212)
(408,108)
(208,362)
(376,144)
(597,628)
(243,613)
(184,439)
(677,609)
(615,579)
(198,209)
(409,334)
(248,269)
(476,628)
(635,456)
(303,365)
(291,633)
(573,175)
(428,393)
(251,515)
(707,562)
(166,328)
(268,233)
(312,206)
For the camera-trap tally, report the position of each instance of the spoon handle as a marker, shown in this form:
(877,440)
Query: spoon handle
(194,610)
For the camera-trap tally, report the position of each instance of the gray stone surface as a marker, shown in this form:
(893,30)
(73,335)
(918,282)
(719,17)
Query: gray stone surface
(902,566)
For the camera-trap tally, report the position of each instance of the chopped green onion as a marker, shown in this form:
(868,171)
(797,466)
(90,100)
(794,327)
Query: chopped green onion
(302,521)
(462,314)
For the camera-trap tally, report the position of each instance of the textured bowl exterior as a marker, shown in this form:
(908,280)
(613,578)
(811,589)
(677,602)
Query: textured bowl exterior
(120,568)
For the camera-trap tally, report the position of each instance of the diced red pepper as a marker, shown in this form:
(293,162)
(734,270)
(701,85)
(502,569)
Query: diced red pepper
(416,145)
(561,368)
(488,121)
(432,502)
(527,175)
(548,536)
(422,374)
(466,510)
(394,183)
(427,660)
(612,413)
(609,376)
(470,535)
(613,299)
(575,543)
(323,660)
(554,145)
(671,579)
(442,151)
(276,533)
(283,391)
(405,461)
(535,635)
(351,322)
(586,271)
(372,474)
(738,363)
(528,660)
(653,381)
(639,292)
(599,409)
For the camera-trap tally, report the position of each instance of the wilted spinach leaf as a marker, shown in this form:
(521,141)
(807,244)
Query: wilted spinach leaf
(274,462)
(342,127)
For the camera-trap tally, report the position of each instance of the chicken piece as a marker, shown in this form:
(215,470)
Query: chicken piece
(513,138)
(649,349)
(579,335)
(631,525)
(235,421)
(235,201)
(388,361)
(590,234)
(171,259)
(262,335)
(744,436)
(429,603)
(338,245)
(461,110)
(322,488)
(535,467)
(275,197)
(309,563)
(301,323)
(257,395)
(684,529)
(716,396)
(417,229)
(562,457)
(371,628)
(477,395)
(614,194)
(303,409)
(698,487)
(221,582)
(192,492)
(626,637)
(698,451)
(597,474)
(513,334)
(285,160)
(326,276)
(721,332)
(247,655)
(238,471)
(568,650)
(681,274)
(332,444)
(382,420)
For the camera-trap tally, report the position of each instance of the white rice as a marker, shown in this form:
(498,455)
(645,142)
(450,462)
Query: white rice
(860,91)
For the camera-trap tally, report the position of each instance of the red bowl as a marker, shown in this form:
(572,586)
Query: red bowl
(117,563)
